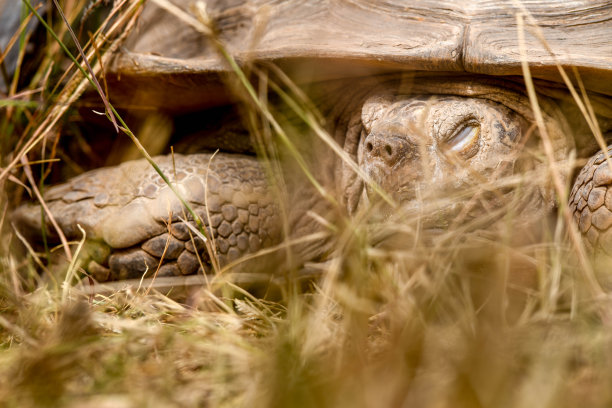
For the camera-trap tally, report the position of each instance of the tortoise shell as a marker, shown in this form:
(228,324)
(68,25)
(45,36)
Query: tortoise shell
(168,63)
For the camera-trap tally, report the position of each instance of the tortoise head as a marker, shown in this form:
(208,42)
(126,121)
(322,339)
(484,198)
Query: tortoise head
(444,155)
(436,143)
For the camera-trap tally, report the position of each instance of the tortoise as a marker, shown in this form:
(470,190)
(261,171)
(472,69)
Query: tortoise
(422,101)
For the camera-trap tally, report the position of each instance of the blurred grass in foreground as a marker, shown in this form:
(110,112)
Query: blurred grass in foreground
(440,324)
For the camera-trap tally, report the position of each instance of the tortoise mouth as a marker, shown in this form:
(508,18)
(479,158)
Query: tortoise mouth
(419,213)
(442,212)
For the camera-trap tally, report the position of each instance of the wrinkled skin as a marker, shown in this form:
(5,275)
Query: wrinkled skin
(449,159)
(413,144)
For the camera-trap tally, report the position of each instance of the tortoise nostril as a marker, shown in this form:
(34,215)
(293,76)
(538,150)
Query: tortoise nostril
(385,147)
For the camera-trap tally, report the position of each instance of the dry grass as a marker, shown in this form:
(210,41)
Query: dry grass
(460,319)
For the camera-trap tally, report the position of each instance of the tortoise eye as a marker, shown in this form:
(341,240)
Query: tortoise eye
(465,140)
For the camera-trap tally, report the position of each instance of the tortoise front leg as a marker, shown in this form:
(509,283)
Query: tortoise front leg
(591,204)
(130,215)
